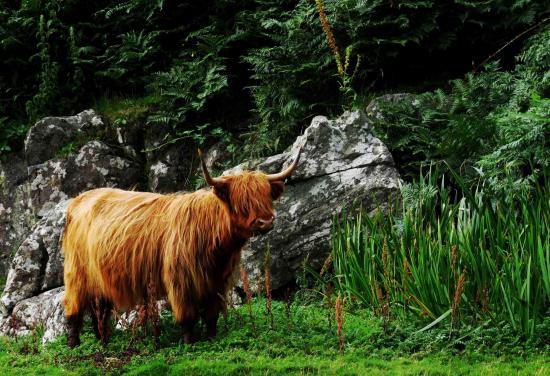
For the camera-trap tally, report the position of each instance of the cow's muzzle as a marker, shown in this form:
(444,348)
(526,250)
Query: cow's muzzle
(262,226)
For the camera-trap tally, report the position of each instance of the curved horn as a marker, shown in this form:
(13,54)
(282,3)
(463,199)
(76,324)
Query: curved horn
(209,180)
(286,173)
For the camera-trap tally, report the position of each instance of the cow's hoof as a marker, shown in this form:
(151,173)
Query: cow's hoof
(73,342)
(188,339)
(211,335)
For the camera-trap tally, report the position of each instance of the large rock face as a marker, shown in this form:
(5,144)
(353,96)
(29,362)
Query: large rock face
(33,183)
(35,189)
(15,212)
(94,165)
(38,263)
(342,165)
(43,310)
(169,166)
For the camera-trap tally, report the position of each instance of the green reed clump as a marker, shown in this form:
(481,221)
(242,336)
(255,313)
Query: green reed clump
(458,254)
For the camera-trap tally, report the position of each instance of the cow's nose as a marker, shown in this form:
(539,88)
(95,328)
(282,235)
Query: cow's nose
(264,224)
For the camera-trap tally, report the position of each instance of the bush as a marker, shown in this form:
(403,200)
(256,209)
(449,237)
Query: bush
(262,62)
(492,125)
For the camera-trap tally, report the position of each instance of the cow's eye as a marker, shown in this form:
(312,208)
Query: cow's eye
(277,189)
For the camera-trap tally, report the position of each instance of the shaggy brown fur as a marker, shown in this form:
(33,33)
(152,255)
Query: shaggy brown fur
(118,242)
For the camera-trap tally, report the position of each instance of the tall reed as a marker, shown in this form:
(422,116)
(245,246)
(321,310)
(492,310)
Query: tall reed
(502,242)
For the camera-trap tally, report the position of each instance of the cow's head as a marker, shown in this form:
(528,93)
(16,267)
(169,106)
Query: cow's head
(249,196)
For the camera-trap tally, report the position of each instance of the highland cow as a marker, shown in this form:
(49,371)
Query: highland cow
(119,243)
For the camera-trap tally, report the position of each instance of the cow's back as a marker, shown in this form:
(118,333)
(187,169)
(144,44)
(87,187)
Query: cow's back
(107,245)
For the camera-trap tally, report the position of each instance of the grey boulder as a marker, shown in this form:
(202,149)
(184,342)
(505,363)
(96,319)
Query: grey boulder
(50,134)
(94,165)
(41,311)
(342,166)
(15,211)
(38,263)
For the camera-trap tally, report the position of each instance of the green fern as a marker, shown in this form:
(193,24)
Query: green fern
(278,71)
(493,125)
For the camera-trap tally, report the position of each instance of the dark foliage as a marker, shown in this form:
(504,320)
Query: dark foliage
(492,125)
(226,65)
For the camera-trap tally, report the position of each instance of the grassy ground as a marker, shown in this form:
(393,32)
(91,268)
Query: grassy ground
(301,342)
(119,111)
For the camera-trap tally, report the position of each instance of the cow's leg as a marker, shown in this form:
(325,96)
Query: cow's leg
(100,309)
(74,323)
(211,312)
(75,306)
(95,320)
(106,307)
(187,325)
(182,302)
(211,325)
(186,317)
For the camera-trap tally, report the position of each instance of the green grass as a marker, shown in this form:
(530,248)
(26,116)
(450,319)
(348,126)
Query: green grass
(120,110)
(301,342)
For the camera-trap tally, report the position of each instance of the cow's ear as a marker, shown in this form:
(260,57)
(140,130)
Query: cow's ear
(277,188)
(222,191)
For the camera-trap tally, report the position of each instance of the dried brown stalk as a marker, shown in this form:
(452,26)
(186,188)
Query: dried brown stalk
(331,41)
(339,322)
(288,304)
(248,292)
(152,311)
(326,265)
(328,303)
(14,325)
(268,297)
(457,298)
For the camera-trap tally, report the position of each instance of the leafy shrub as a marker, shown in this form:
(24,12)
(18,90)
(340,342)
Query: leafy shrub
(493,124)
(11,132)
(59,56)
(295,76)
(191,82)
